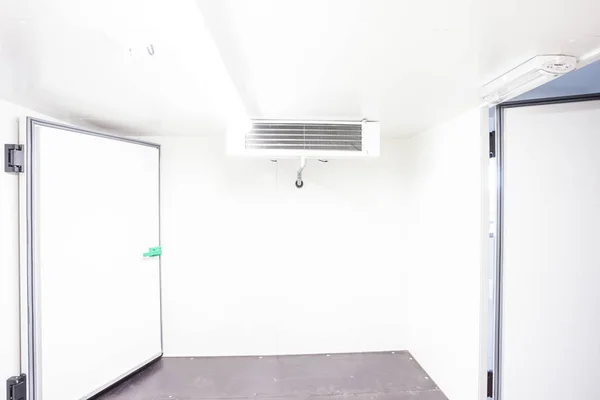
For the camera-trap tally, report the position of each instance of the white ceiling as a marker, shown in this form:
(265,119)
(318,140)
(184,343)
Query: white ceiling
(71,59)
(409,64)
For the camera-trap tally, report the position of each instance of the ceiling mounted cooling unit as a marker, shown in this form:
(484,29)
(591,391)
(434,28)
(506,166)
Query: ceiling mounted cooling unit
(310,139)
(322,140)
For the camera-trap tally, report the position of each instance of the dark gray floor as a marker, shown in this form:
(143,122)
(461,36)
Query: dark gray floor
(361,376)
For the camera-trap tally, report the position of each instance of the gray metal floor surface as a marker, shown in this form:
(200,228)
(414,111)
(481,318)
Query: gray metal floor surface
(360,376)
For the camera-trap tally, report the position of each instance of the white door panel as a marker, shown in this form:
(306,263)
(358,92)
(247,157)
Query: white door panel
(96,211)
(551,267)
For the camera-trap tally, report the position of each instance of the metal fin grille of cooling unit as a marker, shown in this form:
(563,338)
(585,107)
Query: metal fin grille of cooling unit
(305,136)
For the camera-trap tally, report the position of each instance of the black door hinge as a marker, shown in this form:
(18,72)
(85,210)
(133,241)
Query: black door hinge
(16,388)
(14,158)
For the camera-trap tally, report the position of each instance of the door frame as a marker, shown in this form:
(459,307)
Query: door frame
(30,288)
(499,231)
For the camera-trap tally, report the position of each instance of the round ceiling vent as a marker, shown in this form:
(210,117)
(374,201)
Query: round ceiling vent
(560,65)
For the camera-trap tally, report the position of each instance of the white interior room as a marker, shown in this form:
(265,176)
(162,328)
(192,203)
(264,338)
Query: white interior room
(147,251)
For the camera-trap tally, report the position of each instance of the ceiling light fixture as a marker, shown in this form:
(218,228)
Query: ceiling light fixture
(527,76)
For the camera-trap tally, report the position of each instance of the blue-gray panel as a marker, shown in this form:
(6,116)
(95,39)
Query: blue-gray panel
(581,81)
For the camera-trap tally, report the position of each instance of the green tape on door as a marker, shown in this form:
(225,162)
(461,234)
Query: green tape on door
(154,252)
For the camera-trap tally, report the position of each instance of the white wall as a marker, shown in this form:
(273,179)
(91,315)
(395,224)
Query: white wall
(9,251)
(449,272)
(253,265)
(375,254)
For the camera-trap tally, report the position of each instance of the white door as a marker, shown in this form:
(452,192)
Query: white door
(551,263)
(92,204)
